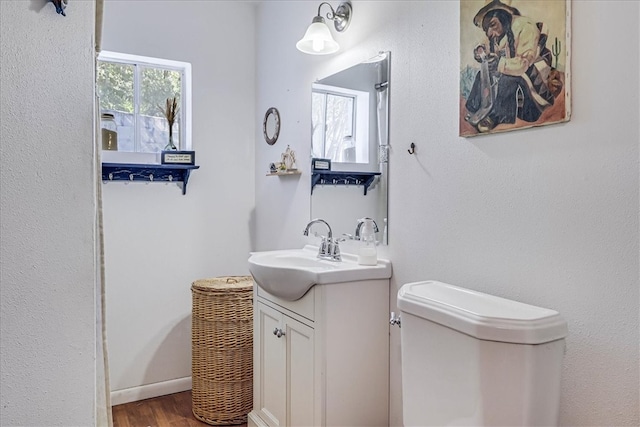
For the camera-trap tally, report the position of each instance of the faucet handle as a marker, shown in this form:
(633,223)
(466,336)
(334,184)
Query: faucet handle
(334,249)
(325,244)
(330,249)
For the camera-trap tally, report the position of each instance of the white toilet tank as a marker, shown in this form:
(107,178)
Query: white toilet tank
(472,359)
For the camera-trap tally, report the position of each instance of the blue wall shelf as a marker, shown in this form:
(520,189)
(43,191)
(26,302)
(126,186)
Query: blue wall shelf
(343,178)
(147,173)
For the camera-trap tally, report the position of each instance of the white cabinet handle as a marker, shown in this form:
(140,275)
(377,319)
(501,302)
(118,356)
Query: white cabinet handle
(278,332)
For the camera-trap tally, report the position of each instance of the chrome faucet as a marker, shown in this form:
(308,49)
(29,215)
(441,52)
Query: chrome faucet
(329,248)
(315,221)
(359,226)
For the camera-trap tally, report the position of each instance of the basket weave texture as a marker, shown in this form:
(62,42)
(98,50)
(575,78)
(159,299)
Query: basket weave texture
(222,349)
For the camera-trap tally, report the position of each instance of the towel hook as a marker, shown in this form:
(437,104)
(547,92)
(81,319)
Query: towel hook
(413,148)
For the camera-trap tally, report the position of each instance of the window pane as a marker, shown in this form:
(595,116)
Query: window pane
(156,86)
(115,89)
(115,86)
(317,123)
(339,129)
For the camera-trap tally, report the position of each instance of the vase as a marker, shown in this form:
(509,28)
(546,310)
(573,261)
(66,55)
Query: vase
(170,146)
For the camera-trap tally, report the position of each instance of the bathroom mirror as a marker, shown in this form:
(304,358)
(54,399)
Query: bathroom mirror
(271,125)
(350,121)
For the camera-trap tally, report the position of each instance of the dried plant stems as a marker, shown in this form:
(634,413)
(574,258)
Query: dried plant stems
(171,112)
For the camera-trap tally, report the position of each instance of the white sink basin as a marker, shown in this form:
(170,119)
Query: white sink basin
(288,274)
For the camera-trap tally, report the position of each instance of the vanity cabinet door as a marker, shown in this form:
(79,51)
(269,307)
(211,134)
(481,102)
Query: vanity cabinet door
(300,373)
(285,371)
(271,393)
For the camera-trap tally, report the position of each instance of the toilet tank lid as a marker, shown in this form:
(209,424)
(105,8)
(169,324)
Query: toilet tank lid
(480,315)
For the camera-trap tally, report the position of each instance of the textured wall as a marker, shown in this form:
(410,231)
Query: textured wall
(157,241)
(546,216)
(47,215)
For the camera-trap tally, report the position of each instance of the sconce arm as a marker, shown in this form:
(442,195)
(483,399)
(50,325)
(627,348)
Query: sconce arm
(340,16)
(330,16)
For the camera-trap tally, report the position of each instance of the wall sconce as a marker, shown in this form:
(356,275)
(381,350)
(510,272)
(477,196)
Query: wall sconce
(318,39)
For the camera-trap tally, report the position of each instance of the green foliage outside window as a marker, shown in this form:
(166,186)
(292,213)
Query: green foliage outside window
(116,90)
(157,85)
(115,86)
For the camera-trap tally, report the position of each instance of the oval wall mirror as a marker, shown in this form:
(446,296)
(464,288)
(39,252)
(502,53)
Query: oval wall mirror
(271,126)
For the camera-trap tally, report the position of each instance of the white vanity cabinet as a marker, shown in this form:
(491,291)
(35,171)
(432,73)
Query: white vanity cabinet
(322,360)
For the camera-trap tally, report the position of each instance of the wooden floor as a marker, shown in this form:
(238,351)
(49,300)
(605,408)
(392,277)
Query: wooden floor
(173,410)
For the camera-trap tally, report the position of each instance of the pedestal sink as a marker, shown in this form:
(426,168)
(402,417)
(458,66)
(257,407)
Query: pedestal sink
(289,273)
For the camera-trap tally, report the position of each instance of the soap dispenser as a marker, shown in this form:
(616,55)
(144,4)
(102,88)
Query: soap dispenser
(367,252)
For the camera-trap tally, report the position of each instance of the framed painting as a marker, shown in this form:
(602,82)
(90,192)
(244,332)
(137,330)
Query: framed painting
(514,64)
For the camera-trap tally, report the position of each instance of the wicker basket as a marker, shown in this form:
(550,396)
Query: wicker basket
(222,349)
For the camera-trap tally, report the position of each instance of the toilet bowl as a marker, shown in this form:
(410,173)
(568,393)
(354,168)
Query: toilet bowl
(473,359)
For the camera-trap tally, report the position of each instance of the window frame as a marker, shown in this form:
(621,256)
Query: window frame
(184,68)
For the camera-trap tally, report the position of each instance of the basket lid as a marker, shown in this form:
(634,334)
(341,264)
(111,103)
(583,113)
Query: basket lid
(223,283)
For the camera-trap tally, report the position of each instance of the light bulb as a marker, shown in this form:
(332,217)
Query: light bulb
(318,45)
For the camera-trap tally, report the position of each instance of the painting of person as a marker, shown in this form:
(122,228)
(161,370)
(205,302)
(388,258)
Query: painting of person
(508,77)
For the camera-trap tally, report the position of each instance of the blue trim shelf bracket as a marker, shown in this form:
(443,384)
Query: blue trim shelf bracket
(343,178)
(147,173)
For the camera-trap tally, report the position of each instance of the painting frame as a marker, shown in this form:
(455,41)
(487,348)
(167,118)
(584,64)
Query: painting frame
(515,65)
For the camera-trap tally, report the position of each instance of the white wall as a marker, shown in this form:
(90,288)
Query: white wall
(157,241)
(547,216)
(47,215)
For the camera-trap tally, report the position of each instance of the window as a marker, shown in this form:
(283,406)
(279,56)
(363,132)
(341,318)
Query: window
(134,89)
(340,121)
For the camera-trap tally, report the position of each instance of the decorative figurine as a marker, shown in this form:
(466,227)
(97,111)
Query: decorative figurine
(292,160)
(60,6)
(289,159)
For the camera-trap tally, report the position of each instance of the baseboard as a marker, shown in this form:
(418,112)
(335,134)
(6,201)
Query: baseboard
(253,420)
(148,391)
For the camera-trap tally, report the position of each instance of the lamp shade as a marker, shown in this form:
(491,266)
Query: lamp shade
(318,40)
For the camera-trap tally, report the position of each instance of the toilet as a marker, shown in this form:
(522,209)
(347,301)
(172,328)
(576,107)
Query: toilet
(473,359)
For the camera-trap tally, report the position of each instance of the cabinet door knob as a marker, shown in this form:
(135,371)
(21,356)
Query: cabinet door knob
(278,332)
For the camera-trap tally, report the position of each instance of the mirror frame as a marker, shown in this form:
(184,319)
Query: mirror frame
(271,112)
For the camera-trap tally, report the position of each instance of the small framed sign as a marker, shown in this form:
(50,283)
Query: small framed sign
(178,158)
(321,164)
